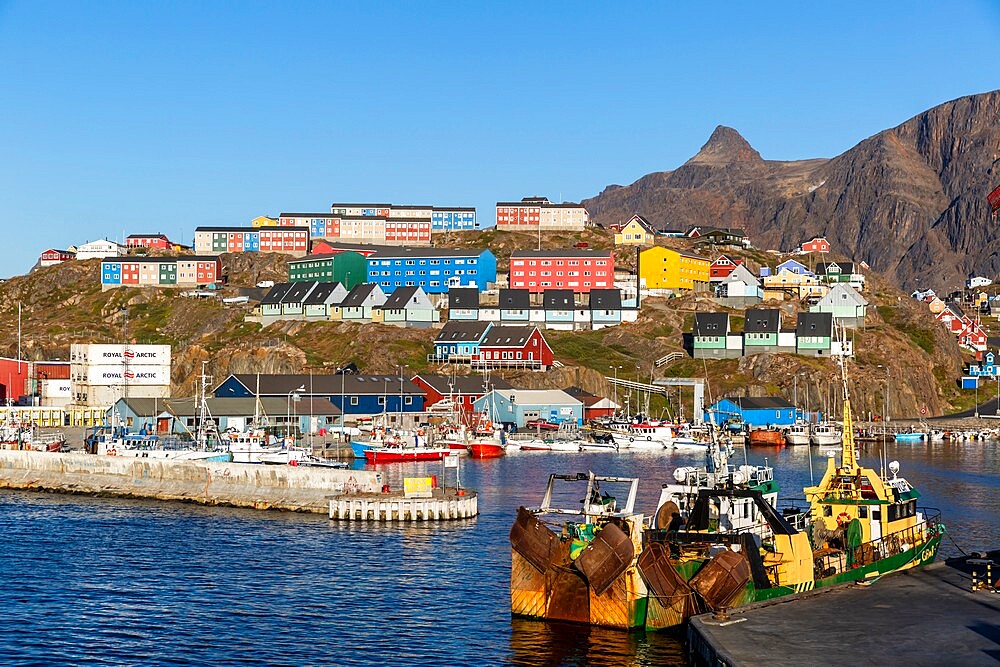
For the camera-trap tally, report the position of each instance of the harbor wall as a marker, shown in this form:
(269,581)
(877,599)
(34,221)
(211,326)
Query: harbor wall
(296,488)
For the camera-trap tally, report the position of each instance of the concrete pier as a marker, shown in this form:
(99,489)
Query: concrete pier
(443,505)
(283,487)
(927,616)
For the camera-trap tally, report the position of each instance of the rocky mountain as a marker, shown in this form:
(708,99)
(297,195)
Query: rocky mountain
(910,201)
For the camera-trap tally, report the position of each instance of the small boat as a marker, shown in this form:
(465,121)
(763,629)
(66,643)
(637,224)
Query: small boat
(398,453)
(766,437)
(797,434)
(486,450)
(825,433)
(915,436)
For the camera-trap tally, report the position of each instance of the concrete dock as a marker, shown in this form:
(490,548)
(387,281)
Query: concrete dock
(284,487)
(441,505)
(928,616)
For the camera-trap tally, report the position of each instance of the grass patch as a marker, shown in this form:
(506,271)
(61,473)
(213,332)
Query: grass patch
(887,313)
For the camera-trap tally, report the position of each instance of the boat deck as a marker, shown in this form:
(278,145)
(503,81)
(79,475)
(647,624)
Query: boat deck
(927,616)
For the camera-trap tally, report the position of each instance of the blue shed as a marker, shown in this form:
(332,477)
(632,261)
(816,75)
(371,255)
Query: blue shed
(755,412)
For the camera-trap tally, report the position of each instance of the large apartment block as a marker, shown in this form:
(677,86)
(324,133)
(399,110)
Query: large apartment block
(186,271)
(442,218)
(289,240)
(573,269)
(436,270)
(539,213)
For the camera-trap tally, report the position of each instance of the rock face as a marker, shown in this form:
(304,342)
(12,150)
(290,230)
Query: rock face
(910,201)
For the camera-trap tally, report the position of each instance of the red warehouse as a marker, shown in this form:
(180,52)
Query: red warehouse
(573,269)
(14,376)
(462,390)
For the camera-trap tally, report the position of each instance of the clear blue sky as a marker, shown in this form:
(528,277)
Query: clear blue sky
(144,117)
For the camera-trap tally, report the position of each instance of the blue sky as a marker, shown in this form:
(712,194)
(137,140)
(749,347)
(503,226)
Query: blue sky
(144,117)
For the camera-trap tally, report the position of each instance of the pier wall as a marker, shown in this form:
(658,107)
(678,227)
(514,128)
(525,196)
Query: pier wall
(295,488)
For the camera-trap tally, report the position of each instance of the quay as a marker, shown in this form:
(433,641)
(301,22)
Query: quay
(283,487)
(926,616)
(443,504)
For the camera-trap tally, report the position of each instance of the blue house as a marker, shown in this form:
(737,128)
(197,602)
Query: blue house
(453,219)
(515,305)
(793,266)
(988,368)
(559,308)
(755,412)
(357,396)
(605,307)
(463,303)
(516,407)
(436,270)
(111,273)
(458,340)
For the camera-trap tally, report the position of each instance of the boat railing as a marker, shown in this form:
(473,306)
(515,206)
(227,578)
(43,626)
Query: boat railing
(894,543)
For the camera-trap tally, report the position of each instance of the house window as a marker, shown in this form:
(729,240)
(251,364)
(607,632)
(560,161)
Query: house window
(381,400)
(354,400)
(408,400)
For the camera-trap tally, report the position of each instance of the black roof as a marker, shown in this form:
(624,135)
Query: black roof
(326,385)
(462,332)
(760,320)
(399,298)
(462,384)
(251,229)
(404,252)
(298,292)
(508,336)
(357,296)
(276,294)
(711,324)
(606,299)
(814,324)
(558,299)
(514,299)
(823,268)
(759,403)
(463,297)
(321,293)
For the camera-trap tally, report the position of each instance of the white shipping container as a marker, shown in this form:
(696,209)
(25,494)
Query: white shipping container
(114,375)
(98,354)
(56,388)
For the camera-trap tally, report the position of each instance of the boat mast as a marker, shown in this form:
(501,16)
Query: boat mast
(848,457)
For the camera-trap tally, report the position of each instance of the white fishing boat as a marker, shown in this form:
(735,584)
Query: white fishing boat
(825,434)
(797,434)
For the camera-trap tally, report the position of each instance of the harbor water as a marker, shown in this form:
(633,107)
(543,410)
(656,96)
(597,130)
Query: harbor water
(92,581)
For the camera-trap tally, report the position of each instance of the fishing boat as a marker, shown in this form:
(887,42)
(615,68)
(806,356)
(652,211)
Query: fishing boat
(825,433)
(399,453)
(607,568)
(766,437)
(797,434)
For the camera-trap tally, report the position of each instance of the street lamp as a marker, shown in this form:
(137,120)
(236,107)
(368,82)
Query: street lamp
(288,407)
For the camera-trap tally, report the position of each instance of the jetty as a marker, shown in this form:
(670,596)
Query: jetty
(441,504)
(944,613)
(284,487)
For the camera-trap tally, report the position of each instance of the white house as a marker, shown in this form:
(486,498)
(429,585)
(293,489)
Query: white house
(100,249)
(977,281)
(739,289)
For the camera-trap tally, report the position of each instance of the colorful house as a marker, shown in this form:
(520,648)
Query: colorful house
(576,269)
(661,268)
(814,334)
(138,271)
(846,305)
(514,347)
(973,337)
(722,267)
(407,307)
(270,305)
(533,213)
(637,231)
(348,268)
(818,244)
(360,303)
(840,272)
(157,241)
(364,223)
(456,391)
(51,257)
(517,407)
(436,270)
(718,236)
(761,328)
(606,308)
(463,303)
(712,337)
(459,341)
(559,309)
(100,249)
(326,294)
(594,407)
(514,305)
(988,367)
(282,239)
(739,289)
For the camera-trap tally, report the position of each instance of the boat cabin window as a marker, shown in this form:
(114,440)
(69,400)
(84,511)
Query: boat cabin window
(898,511)
(876,515)
(862,512)
(827,510)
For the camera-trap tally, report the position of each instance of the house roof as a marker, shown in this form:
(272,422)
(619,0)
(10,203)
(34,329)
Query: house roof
(400,298)
(558,299)
(741,274)
(357,296)
(321,294)
(298,292)
(606,299)
(711,324)
(463,297)
(583,396)
(508,336)
(955,308)
(560,253)
(324,385)
(814,324)
(459,331)
(759,403)
(462,384)
(643,222)
(228,407)
(843,294)
(514,299)
(251,229)
(276,294)
(540,397)
(760,320)
(822,268)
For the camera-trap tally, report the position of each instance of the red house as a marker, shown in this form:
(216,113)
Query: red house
(818,244)
(722,267)
(972,337)
(577,269)
(953,318)
(159,241)
(515,347)
(51,257)
(463,390)
(594,407)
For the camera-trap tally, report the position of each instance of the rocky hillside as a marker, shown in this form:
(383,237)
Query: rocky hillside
(922,184)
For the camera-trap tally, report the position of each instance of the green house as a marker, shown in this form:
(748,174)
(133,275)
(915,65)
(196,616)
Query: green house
(814,334)
(711,338)
(760,330)
(348,268)
(168,273)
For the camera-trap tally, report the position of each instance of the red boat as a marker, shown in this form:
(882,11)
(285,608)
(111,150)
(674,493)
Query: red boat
(486,450)
(766,437)
(397,454)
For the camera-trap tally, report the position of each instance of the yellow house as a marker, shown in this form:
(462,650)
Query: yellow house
(264,221)
(663,268)
(637,231)
(804,284)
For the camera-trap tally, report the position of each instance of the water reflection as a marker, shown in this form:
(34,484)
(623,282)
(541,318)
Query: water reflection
(538,644)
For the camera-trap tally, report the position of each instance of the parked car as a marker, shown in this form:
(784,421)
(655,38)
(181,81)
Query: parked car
(541,424)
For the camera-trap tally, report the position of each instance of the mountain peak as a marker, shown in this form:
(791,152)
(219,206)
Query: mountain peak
(725,146)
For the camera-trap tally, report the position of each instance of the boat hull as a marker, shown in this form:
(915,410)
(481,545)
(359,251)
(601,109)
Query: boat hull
(404,455)
(486,450)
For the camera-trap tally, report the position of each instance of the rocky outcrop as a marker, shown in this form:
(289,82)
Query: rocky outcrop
(922,185)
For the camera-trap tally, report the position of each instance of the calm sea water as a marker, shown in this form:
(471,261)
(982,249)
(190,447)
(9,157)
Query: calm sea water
(114,582)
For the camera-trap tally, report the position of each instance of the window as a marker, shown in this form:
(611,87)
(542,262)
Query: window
(354,400)
(381,400)
(408,400)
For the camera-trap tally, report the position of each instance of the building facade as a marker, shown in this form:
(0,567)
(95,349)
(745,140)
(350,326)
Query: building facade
(103,373)
(158,241)
(538,213)
(435,270)
(665,269)
(637,231)
(52,256)
(99,249)
(348,268)
(288,240)
(578,270)
(184,271)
